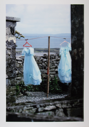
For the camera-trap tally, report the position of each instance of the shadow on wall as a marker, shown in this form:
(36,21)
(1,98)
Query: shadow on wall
(77,39)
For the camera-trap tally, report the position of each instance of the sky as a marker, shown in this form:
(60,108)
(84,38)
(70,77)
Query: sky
(41,18)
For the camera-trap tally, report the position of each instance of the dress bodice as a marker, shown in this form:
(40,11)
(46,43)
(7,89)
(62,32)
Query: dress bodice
(65,50)
(28,51)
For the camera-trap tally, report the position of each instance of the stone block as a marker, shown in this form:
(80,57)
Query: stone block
(40,109)
(53,67)
(42,105)
(51,76)
(56,70)
(38,58)
(52,73)
(18,78)
(44,60)
(58,105)
(33,110)
(48,113)
(8,52)
(39,62)
(43,71)
(49,108)
(60,113)
(17,72)
(18,59)
(57,59)
(12,82)
(44,75)
(52,70)
(7,56)
(17,65)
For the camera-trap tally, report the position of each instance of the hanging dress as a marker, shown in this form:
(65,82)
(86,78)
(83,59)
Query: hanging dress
(32,74)
(64,67)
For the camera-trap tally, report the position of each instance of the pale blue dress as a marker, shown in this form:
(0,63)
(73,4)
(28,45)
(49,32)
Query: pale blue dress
(64,67)
(32,74)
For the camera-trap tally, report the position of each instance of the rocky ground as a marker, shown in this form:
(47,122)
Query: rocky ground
(36,106)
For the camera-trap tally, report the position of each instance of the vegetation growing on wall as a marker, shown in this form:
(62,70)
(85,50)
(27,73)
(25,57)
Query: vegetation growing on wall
(18,35)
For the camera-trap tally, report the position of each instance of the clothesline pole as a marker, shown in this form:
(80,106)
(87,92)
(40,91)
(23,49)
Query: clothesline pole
(48,64)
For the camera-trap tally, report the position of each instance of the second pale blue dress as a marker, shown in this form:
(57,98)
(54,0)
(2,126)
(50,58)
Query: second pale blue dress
(64,67)
(32,74)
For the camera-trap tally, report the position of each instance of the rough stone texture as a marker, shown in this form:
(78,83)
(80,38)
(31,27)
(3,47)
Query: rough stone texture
(60,113)
(46,108)
(54,61)
(77,35)
(10,62)
(10,50)
(49,108)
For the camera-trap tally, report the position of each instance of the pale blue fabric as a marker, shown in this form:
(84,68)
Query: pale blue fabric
(64,67)
(32,74)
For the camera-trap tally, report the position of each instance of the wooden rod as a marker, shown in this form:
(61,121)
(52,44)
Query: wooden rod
(48,64)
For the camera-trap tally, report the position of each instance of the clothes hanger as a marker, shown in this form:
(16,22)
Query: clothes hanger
(64,41)
(27,43)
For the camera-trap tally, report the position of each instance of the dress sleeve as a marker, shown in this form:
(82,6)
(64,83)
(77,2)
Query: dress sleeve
(69,47)
(24,51)
(31,50)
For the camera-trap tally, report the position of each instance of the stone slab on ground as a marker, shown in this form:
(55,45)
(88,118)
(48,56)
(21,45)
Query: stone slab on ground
(40,97)
(32,118)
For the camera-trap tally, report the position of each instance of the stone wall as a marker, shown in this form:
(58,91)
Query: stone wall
(10,50)
(42,62)
(10,62)
(36,106)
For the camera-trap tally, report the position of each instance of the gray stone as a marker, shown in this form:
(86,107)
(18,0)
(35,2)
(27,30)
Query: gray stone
(33,110)
(12,19)
(17,78)
(43,64)
(49,108)
(58,59)
(57,62)
(51,76)
(6,76)
(9,47)
(39,62)
(56,70)
(49,113)
(52,70)
(20,110)
(8,52)
(18,59)
(44,60)
(17,72)
(40,109)
(64,105)
(42,105)
(37,58)
(17,65)
(60,113)
(52,67)
(7,57)
(43,71)
(19,62)
(52,73)
(44,75)
(27,108)
(20,95)
(51,103)
(58,105)
(38,106)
